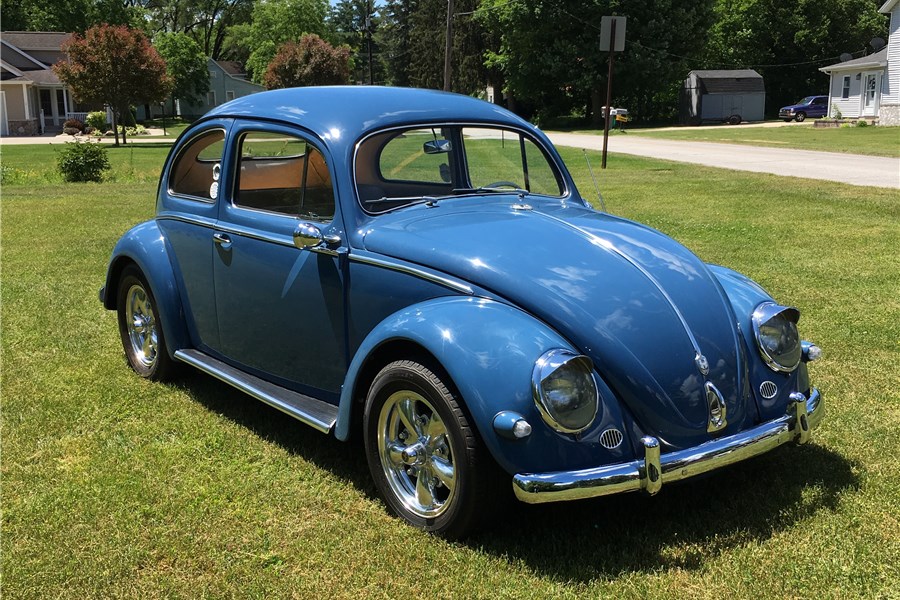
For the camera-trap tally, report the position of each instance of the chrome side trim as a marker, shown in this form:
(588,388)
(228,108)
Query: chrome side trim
(453,284)
(804,414)
(315,413)
(243,232)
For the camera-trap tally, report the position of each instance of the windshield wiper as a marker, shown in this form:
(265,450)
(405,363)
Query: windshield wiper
(492,190)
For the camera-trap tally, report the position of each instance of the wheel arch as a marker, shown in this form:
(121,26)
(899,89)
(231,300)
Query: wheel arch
(144,247)
(486,349)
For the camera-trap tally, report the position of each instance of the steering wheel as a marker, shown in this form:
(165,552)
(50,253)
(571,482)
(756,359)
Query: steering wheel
(499,184)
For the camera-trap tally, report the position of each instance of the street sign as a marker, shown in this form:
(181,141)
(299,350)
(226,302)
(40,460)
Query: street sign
(606,33)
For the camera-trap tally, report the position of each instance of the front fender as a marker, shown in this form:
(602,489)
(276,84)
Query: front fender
(145,246)
(489,350)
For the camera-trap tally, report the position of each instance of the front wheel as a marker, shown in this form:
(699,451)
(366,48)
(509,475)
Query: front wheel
(140,328)
(800,117)
(425,458)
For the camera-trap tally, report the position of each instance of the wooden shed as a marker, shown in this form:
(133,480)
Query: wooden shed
(731,96)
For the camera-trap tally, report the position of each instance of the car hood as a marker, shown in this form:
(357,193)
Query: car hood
(637,302)
(794,106)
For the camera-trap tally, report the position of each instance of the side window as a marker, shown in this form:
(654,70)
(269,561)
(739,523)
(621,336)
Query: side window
(284,174)
(404,157)
(501,158)
(196,169)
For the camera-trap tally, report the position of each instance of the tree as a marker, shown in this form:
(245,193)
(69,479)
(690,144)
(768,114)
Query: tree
(116,66)
(787,42)
(185,66)
(274,22)
(563,74)
(208,22)
(67,15)
(312,61)
(350,26)
(394,37)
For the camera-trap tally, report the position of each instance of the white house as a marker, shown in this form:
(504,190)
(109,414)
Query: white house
(869,86)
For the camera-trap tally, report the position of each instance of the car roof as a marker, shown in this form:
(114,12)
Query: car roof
(337,112)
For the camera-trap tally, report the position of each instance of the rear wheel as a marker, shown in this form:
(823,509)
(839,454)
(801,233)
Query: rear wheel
(141,329)
(801,116)
(734,120)
(426,459)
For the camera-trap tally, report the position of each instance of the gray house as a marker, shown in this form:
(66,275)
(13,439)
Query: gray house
(732,96)
(227,81)
(32,98)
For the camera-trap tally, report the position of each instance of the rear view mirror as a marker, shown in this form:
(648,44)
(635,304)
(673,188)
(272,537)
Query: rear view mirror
(436,147)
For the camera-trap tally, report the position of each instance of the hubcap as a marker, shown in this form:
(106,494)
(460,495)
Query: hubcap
(415,454)
(141,325)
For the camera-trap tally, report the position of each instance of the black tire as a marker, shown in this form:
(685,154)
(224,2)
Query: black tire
(734,120)
(801,116)
(144,343)
(401,462)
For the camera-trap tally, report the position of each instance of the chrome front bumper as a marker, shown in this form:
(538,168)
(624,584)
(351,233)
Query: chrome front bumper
(650,473)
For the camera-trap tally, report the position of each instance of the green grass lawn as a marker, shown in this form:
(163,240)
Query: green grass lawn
(876,141)
(116,487)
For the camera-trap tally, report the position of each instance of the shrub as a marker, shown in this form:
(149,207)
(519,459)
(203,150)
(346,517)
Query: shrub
(73,124)
(82,161)
(836,112)
(136,130)
(862,123)
(96,119)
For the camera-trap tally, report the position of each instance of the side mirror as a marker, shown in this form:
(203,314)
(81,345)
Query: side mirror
(436,147)
(307,236)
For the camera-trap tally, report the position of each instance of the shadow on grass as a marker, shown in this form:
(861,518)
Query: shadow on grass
(685,525)
(682,527)
(346,460)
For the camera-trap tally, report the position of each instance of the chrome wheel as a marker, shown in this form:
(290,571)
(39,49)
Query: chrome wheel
(415,454)
(141,326)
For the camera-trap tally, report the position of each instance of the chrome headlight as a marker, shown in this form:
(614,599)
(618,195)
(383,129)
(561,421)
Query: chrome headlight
(777,338)
(564,390)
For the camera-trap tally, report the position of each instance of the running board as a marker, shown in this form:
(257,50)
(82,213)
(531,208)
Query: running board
(315,413)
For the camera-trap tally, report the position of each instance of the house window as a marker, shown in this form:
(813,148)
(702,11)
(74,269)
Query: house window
(229,95)
(845,92)
(211,97)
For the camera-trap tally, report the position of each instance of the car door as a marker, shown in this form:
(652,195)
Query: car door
(281,310)
(187,213)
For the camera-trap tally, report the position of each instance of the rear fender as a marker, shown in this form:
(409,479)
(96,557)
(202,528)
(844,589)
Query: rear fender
(145,246)
(488,349)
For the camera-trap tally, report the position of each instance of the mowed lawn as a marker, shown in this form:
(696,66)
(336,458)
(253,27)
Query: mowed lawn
(116,487)
(876,141)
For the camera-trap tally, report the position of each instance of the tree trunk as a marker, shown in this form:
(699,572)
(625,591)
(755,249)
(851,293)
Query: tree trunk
(115,125)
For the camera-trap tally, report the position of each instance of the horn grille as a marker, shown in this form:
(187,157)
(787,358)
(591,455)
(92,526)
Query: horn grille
(611,438)
(768,389)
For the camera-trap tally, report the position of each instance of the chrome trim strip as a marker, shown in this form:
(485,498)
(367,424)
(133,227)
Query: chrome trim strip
(219,226)
(415,272)
(610,247)
(802,417)
(247,388)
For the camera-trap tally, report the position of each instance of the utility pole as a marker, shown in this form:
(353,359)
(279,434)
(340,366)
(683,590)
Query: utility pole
(448,46)
(369,38)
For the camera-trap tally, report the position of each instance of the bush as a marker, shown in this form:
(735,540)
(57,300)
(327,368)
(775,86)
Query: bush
(136,130)
(96,119)
(862,123)
(73,124)
(82,161)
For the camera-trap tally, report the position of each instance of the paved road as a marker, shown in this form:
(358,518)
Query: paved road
(854,169)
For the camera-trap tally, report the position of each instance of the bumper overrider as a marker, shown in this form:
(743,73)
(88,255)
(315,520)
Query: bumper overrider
(654,469)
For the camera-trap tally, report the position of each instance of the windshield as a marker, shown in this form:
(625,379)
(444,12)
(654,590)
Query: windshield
(807,100)
(407,166)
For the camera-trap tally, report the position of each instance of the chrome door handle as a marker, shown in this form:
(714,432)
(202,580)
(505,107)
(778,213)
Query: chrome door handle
(222,239)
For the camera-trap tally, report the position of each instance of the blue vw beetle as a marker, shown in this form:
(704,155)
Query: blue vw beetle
(417,268)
